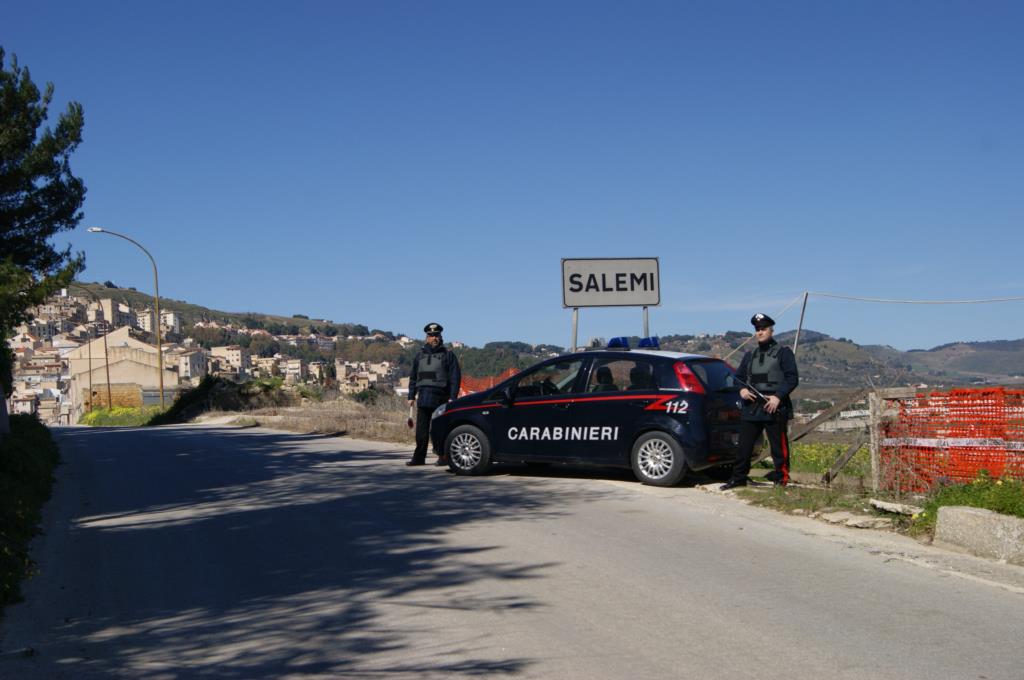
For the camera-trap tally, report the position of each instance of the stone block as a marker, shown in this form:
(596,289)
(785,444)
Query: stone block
(981,532)
(840,517)
(869,523)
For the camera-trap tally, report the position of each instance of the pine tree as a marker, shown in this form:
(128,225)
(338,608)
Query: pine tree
(39,197)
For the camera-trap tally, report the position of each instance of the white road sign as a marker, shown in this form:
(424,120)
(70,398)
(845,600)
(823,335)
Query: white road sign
(610,282)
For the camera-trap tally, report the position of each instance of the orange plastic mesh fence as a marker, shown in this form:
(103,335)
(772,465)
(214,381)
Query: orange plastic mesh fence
(951,437)
(470,384)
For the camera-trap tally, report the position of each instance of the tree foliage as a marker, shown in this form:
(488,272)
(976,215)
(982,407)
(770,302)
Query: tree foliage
(28,457)
(39,195)
(490,361)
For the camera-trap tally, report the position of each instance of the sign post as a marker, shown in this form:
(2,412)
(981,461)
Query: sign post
(610,282)
(575,324)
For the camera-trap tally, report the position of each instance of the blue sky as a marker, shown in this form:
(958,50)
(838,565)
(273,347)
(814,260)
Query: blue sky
(393,163)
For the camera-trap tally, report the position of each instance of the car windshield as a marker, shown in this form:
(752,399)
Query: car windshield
(715,374)
(556,378)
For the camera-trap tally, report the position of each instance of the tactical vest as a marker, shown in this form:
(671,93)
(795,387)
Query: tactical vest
(765,369)
(432,370)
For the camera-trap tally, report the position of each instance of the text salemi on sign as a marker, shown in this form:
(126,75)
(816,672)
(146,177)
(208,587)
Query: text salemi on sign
(610,282)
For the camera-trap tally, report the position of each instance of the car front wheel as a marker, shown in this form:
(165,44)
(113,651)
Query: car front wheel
(468,450)
(657,459)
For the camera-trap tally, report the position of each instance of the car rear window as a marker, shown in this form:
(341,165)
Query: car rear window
(714,373)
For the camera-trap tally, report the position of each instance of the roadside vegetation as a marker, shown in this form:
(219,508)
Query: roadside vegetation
(28,457)
(217,394)
(1004,495)
(818,457)
(123,416)
(378,416)
(370,414)
(807,500)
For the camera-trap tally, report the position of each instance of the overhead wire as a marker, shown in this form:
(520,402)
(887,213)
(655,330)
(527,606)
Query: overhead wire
(880,300)
(785,309)
(917,302)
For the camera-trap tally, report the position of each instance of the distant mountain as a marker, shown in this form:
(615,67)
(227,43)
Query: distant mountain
(824,361)
(191,313)
(996,361)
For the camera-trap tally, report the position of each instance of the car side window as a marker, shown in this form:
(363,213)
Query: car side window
(554,378)
(665,376)
(614,375)
(716,375)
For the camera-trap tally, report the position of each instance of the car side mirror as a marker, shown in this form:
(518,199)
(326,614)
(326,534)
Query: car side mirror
(505,396)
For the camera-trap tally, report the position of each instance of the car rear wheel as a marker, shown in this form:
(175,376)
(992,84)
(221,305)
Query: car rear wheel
(657,459)
(468,450)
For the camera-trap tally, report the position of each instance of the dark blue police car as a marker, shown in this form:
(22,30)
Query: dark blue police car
(659,413)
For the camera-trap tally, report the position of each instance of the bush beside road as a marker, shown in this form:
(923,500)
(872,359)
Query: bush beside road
(984,517)
(28,457)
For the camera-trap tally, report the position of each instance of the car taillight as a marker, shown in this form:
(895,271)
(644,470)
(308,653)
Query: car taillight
(687,380)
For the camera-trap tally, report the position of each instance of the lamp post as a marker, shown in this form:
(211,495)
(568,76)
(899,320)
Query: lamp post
(156,302)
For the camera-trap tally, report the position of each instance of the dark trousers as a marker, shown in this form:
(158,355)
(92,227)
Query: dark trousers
(778,440)
(422,433)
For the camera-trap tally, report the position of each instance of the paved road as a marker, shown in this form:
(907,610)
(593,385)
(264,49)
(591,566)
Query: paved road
(206,552)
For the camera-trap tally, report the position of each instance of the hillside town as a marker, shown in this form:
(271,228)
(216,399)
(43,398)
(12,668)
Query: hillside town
(84,352)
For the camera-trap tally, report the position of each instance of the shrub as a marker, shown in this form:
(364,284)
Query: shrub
(818,458)
(367,397)
(222,395)
(120,416)
(28,456)
(311,392)
(1004,495)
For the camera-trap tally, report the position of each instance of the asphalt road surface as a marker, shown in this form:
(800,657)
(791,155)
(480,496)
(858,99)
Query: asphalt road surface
(210,552)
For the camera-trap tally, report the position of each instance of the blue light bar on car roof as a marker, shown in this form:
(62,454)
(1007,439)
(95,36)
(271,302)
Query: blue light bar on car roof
(620,342)
(649,343)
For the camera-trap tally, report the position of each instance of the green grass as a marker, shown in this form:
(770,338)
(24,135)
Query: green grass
(818,458)
(1004,495)
(807,499)
(120,415)
(28,457)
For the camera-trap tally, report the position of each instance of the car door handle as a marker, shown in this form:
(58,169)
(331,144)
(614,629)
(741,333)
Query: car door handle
(564,406)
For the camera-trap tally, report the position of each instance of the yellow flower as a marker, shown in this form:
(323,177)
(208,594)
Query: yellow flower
(999,482)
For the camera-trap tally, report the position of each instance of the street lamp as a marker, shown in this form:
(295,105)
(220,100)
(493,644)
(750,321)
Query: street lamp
(156,302)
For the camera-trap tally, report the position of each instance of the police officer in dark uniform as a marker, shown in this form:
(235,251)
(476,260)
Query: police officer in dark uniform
(435,380)
(771,370)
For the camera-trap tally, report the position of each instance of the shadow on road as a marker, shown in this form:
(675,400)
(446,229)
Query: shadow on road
(247,554)
(559,471)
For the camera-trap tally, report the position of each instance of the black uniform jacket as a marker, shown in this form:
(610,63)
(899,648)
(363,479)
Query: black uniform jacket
(429,396)
(754,410)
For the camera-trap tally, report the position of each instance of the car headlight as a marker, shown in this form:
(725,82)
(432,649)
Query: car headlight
(439,411)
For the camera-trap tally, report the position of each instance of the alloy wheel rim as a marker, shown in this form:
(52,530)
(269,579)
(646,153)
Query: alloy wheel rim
(655,458)
(466,451)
